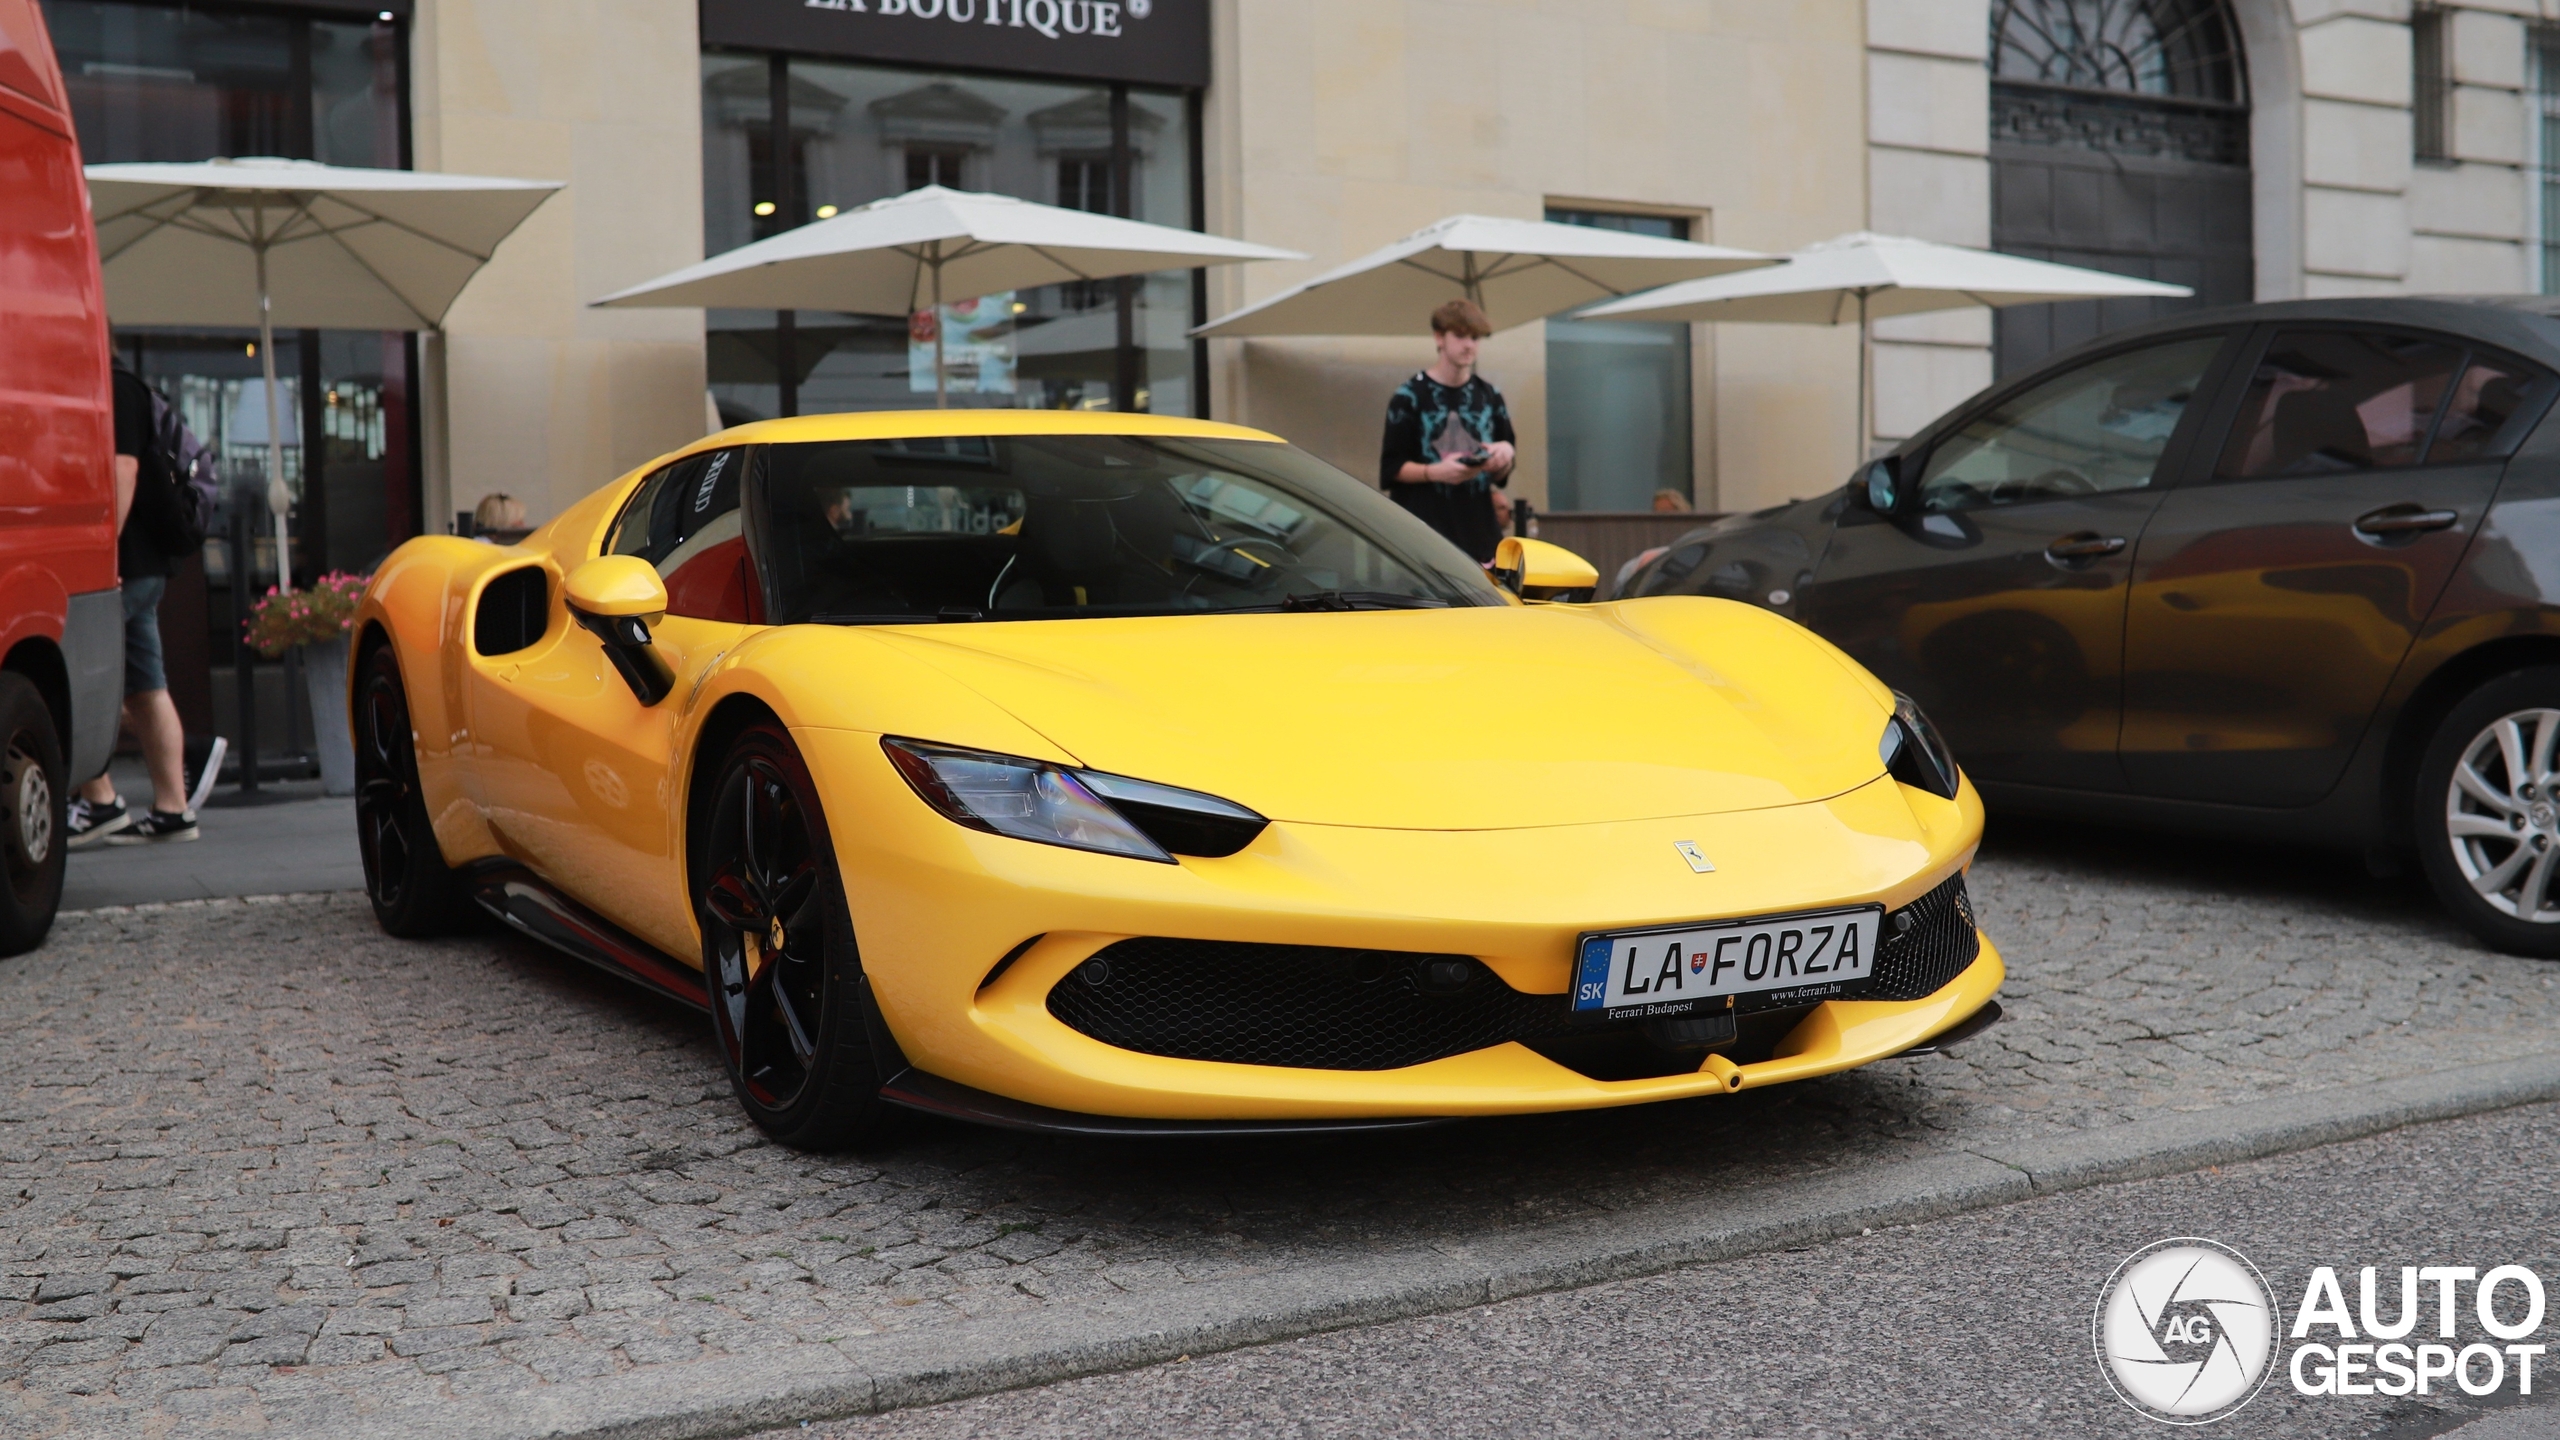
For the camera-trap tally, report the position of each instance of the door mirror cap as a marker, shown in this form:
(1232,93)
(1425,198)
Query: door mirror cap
(1536,570)
(616,587)
(1880,486)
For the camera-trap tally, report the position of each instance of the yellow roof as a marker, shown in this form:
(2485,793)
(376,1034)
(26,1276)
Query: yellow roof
(926,424)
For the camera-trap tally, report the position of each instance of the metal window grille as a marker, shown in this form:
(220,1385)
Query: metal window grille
(2433,83)
(2545,46)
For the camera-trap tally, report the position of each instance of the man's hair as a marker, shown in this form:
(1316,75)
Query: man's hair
(1460,317)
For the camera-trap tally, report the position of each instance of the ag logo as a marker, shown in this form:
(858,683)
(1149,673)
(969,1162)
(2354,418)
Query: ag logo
(2185,1331)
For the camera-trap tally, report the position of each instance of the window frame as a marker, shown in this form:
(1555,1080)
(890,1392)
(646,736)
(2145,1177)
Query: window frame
(2263,336)
(2214,390)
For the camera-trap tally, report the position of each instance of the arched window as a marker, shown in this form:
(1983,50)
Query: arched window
(2119,141)
(2183,48)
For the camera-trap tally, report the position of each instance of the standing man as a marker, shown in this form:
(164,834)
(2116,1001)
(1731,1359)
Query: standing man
(145,492)
(1449,447)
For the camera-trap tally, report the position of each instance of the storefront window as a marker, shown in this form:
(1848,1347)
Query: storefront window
(1618,393)
(170,82)
(859,133)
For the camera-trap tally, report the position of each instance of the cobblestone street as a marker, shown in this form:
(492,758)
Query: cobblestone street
(262,1168)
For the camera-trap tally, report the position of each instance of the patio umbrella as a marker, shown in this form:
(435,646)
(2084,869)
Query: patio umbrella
(1516,270)
(896,256)
(290,242)
(1862,276)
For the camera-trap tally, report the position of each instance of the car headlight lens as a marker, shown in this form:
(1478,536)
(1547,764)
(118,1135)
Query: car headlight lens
(1079,809)
(1915,753)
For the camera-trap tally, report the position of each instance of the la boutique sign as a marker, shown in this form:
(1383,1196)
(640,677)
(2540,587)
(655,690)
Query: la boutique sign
(1052,18)
(1152,42)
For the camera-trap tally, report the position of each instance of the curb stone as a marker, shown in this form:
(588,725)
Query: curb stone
(733,1396)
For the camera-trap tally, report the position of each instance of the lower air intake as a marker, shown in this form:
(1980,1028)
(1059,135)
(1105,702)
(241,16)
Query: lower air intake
(1307,1006)
(1915,963)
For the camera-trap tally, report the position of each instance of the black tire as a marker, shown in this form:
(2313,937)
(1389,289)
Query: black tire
(805,1047)
(35,790)
(2488,828)
(415,894)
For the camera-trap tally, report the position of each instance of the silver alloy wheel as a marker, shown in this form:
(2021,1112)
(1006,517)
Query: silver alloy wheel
(34,802)
(2503,818)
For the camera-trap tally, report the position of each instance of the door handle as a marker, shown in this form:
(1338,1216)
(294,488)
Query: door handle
(2403,520)
(2087,545)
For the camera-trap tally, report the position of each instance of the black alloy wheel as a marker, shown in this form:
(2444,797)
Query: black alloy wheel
(414,893)
(806,1049)
(2488,812)
(35,789)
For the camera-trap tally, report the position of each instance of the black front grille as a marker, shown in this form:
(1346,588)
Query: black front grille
(1318,1008)
(1915,963)
(1300,1005)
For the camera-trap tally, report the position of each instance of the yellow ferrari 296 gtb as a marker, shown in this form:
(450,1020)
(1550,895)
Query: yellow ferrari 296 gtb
(1120,774)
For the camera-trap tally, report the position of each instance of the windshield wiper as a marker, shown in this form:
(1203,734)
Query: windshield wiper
(1352,600)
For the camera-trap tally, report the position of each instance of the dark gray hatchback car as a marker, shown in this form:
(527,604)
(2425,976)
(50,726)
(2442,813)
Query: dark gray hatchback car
(2289,571)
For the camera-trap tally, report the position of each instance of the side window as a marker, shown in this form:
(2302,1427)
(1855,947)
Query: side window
(2088,431)
(514,610)
(2325,402)
(685,521)
(2496,402)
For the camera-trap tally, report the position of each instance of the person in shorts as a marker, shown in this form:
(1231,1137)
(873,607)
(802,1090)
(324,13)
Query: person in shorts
(98,814)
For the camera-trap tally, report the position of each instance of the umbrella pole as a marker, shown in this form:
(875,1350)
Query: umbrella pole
(1866,428)
(278,497)
(941,373)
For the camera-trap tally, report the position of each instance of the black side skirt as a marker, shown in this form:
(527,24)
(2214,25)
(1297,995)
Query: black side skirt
(528,904)
(934,1095)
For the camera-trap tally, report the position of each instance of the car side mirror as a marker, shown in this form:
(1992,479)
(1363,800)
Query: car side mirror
(1536,570)
(617,597)
(1880,487)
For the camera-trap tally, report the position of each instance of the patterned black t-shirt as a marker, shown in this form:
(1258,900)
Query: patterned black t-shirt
(1417,416)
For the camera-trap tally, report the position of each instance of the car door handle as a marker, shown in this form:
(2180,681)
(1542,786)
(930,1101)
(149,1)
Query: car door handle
(2404,520)
(2086,545)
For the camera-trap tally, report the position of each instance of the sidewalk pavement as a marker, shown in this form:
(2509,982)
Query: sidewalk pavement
(302,842)
(263,1169)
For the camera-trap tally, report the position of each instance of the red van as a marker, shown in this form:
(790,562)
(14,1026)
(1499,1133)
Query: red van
(61,624)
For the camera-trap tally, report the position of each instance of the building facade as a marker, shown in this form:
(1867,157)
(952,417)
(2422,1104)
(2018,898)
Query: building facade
(2249,148)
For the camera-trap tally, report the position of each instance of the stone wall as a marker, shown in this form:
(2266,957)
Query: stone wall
(531,392)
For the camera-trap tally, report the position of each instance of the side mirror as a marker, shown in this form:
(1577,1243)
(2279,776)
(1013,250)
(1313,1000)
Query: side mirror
(1536,570)
(617,597)
(1880,486)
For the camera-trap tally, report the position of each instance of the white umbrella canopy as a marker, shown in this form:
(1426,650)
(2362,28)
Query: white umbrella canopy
(899,255)
(267,242)
(1516,270)
(345,248)
(1858,277)
(1828,283)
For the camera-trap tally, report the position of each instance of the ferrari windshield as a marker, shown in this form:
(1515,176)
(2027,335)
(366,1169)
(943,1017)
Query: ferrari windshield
(1029,527)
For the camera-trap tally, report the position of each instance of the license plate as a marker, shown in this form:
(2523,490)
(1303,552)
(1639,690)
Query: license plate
(1675,969)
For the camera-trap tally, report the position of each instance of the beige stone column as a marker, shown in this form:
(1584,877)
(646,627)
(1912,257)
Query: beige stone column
(1929,177)
(540,396)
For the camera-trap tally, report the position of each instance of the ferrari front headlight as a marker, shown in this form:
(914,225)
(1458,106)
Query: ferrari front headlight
(1079,809)
(1915,753)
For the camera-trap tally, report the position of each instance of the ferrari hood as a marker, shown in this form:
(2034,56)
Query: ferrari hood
(1469,719)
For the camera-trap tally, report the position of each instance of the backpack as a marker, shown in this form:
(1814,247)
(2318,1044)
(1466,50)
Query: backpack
(182,515)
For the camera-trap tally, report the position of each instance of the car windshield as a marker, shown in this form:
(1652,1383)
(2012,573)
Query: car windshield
(1034,527)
